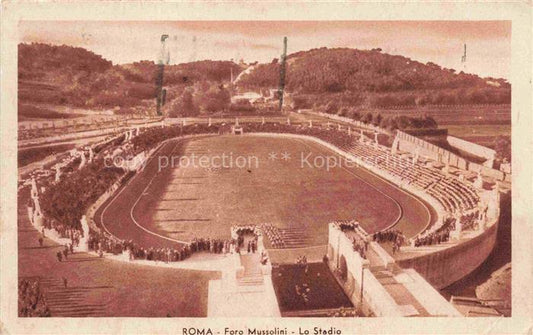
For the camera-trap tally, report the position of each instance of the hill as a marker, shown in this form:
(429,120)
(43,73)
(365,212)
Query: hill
(326,79)
(353,77)
(69,76)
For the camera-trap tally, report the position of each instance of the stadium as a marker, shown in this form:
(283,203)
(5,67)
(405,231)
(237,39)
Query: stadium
(327,183)
(262,206)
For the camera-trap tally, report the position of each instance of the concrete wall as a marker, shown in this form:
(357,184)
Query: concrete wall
(96,122)
(474,149)
(486,171)
(412,143)
(357,124)
(445,267)
(432,301)
(376,300)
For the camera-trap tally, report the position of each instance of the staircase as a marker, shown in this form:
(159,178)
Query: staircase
(397,291)
(252,276)
(69,301)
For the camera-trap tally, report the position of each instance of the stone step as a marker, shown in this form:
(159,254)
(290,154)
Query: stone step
(250,282)
(252,274)
(300,230)
(69,301)
(293,246)
(293,232)
(73,309)
(251,279)
(78,314)
(295,243)
(294,236)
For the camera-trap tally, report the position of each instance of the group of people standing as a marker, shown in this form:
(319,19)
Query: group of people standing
(391,235)
(69,248)
(102,243)
(360,246)
(440,236)
(274,236)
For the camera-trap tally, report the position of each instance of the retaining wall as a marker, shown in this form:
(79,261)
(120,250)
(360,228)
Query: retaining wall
(376,300)
(473,148)
(444,267)
(412,143)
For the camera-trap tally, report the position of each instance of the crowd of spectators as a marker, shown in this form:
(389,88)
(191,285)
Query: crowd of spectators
(346,225)
(329,134)
(273,235)
(68,200)
(64,231)
(470,221)
(31,299)
(395,236)
(359,242)
(439,236)
(153,136)
(101,243)
(360,246)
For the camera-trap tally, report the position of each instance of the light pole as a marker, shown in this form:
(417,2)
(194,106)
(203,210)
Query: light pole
(160,92)
(282,74)
(362,281)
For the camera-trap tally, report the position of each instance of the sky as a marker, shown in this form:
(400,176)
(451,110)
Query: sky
(488,43)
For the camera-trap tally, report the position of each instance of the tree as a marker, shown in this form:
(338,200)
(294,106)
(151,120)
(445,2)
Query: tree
(343,111)
(355,114)
(367,118)
(332,107)
(403,122)
(217,98)
(376,121)
(183,106)
(429,122)
(502,146)
(393,124)
(242,105)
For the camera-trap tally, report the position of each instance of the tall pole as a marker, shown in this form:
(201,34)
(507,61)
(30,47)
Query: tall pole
(160,93)
(282,73)
(362,281)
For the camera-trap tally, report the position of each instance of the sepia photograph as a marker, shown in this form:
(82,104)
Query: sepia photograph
(316,169)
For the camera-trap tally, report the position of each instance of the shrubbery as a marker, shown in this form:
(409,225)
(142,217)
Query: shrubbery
(68,200)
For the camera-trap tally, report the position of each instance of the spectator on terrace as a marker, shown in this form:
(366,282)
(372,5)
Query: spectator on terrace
(65,252)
